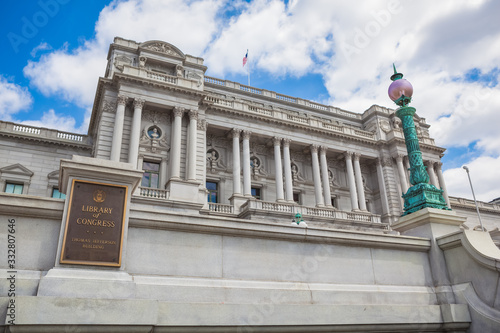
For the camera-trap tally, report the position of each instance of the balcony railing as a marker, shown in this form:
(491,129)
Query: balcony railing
(41,133)
(220,208)
(155,193)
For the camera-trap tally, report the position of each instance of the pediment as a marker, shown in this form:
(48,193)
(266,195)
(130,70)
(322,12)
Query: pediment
(162,47)
(16,169)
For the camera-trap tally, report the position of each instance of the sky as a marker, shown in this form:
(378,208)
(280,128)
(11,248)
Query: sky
(337,53)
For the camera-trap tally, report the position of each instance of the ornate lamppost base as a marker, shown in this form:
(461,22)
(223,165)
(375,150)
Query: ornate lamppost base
(421,196)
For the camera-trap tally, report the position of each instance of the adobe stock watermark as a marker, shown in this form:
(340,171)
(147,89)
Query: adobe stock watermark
(31,25)
(363,37)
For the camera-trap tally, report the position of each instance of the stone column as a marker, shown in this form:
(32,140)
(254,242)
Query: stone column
(442,184)
(247,181)
(381,185)
(235,133)
(140,160)
(135,132)
(116,144)
(316,176)
(163,173)
(352,182)
(402,174)
(406,162)
(324,176)
(288,170)
(278,169)
(193,135)
(359,182)
(175,150)
(432,174)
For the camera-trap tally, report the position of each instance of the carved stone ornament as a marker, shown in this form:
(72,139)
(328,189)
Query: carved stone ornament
(332,179)
(156,117)
(384,126)
(109,106)
(386,162)
(193,114)
(257,167)
(153,140)
(217,141)
(121,100)
(163,48)
(296,175)
(196,77)
(139,103)
(214,161)
(202,125)
(178,112)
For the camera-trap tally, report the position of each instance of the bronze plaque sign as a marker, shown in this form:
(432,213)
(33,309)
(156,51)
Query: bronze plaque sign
(94,225)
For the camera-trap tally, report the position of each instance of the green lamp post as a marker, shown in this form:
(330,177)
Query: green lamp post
(421,194)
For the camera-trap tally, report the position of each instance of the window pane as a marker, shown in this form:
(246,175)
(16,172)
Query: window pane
(145,179)
(211,186)
(154,180)
(150,166)
(14,188)
(57,194)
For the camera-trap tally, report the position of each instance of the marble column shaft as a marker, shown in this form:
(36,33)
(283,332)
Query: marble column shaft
(402,174)
(193,141)
(278,169)
(288,171)
(383,190)
(324,176)
(116,144)
(442,184)
(135,133)
(247,181)
(316,176)
(359,182)
(432,173)
(235,133)
(351,181)
(175,150)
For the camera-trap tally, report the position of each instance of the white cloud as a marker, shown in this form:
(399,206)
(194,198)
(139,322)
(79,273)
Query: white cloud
(484,176)
(51,120)
(72,73)
(13,98)
(41,47)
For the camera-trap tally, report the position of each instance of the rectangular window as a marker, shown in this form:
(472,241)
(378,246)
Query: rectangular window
(256,193)
(58,195)
(296,197)
(14,188)
(212,188)
(151,175)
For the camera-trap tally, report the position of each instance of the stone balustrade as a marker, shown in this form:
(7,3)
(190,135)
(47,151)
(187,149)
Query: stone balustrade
(220,208)
(283,114)
(469,204)
(41,133)
(154,193)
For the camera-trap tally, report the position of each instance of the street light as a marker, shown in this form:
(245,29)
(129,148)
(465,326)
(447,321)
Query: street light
(474,196)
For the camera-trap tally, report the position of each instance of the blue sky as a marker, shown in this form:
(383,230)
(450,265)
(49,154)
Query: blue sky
(333,52)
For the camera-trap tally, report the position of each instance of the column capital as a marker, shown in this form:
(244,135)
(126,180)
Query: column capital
(439,164)
(314,149)
(276,141)
(235,133)
(286,142)
(121,100)
(399,158)
(348,155)
(193,114)
(356,156)
(246,134)
(429,163)
(323,149)
(178,111)
(139,103)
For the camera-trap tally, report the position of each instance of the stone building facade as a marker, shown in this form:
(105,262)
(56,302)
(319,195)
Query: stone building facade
(223,170)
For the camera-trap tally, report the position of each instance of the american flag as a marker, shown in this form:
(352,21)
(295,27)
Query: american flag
(245,59)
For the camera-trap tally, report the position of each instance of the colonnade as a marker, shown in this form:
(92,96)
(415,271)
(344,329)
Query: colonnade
(284,191)
(175,147)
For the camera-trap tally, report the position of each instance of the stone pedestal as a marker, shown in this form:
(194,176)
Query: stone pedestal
(237,200)
(433,223)
(182,190)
